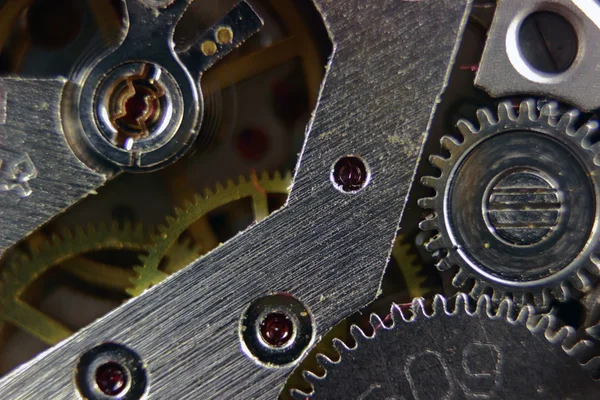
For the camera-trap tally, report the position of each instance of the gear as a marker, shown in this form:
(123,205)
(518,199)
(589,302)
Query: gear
(517,203)
(410,268)
(24,269)
(150,273)
(460,353)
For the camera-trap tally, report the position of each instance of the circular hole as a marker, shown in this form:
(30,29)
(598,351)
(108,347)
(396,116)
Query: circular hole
(111,378)
(109,371)
(548,42)
(277,329)
(350,174)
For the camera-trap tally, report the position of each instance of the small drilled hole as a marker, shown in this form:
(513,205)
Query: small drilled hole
(350,174)
(548,42)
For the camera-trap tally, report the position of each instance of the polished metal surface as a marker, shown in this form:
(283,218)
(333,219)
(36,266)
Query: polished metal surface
(454,352)
(377,103)
(53,151)
(504,71)
(529,225)
(39,174)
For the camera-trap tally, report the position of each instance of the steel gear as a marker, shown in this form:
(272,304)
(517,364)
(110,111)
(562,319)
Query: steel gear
(24,269)
(517,203)
(257,189)
(460,352)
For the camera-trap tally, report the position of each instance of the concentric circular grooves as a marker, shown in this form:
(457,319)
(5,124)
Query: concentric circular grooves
(528,118)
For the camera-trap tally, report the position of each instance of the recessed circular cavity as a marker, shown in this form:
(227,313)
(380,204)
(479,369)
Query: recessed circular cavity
(137,112)
(521,206)
(548,42)
(275,330)
(111,371)
(350,174)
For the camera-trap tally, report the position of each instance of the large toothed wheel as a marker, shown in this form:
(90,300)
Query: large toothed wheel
(516,205)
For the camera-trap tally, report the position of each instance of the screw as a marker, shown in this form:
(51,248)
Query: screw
(277,329)
(548,42)
(350,174)
(111,378)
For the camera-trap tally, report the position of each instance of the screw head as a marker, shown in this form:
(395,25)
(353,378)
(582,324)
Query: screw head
(111,378)
(277,329)
(350,174)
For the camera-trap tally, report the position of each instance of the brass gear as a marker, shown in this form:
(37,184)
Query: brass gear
(24,269)
(410,268)
(256,188)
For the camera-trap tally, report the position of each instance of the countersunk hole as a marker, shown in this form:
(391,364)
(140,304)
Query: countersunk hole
(548,42)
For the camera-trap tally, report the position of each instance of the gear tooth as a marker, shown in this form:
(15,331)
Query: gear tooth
(461,304)
(581,280)
(567,121)
(485,118)
(562,292)
(208,193)
(549,112)
(586,133)
(506,111)
(277,176)
(440,305)
(438,161)
(418,307)
(593,367)
(264,176)
(428,203)
(324,362)
(460,279)
(444,264)
(484,306)
(398,315)
(219,188)
(311,377)
(429,224)
(449,143)
(357,333)
(525,314)
(594,265)
(300,395)
(376,322)
(594,331)
(242,180)
(527,111)
(505,308)
(430,181)
(435,243)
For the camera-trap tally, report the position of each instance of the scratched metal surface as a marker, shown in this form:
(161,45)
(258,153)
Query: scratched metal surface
(39,174)
(325,247)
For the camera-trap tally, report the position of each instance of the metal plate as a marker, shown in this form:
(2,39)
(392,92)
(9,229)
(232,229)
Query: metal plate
(391,62)
(39,174)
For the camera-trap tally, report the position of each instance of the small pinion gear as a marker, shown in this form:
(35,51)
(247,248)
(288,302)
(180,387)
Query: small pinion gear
(459,350)
(516,205)
(256,188)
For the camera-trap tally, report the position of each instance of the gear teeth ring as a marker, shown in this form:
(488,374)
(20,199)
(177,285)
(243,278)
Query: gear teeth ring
(255,188)
(510,220)
(393,343)
(24,269)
